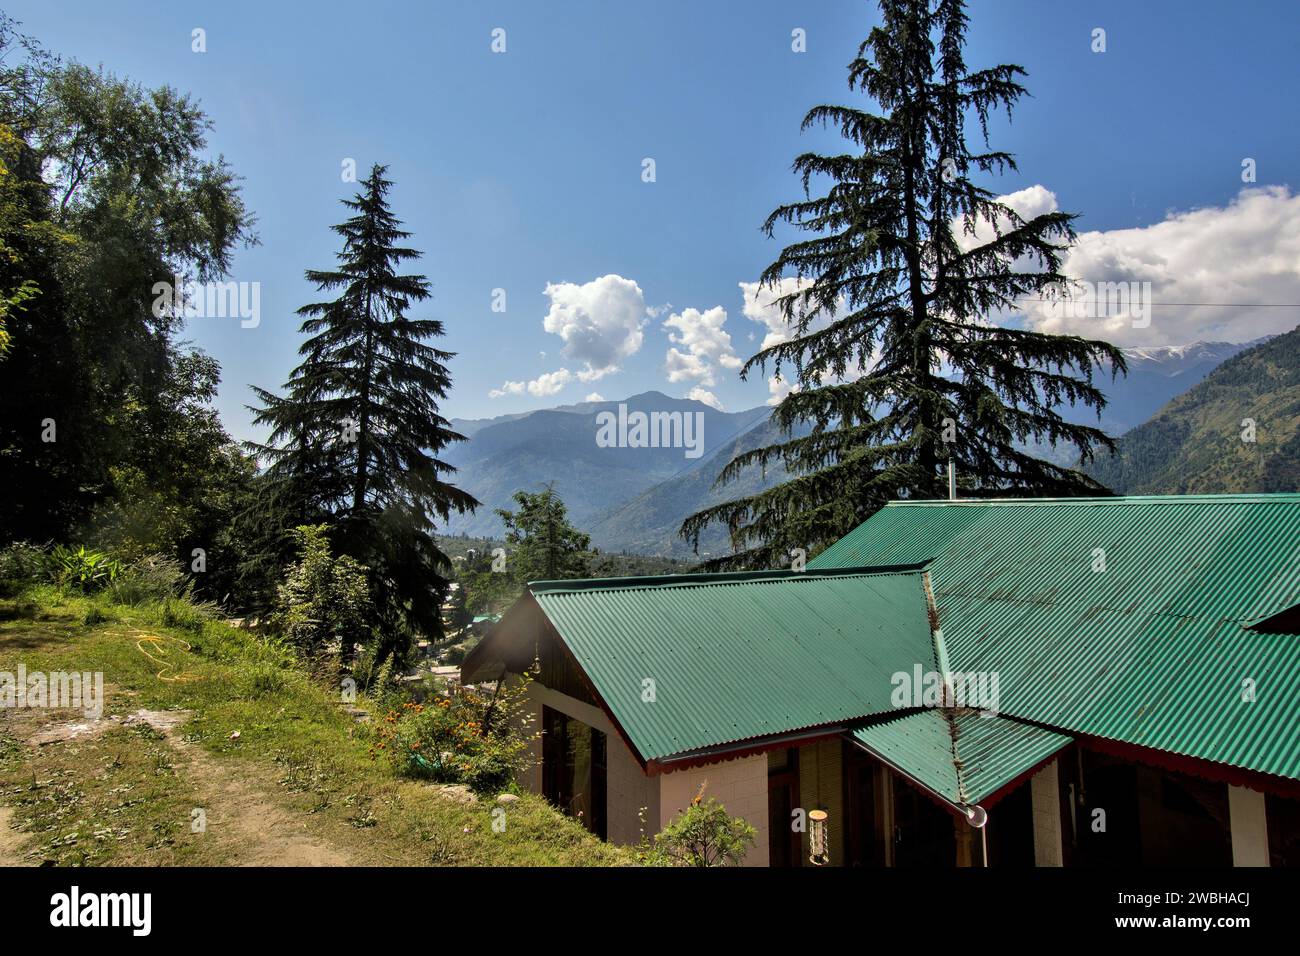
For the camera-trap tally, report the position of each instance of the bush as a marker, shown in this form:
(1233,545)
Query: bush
(323,598)
(704,835)
(153,577)
(22,565)
(464,737)
(187,614)
(87,571)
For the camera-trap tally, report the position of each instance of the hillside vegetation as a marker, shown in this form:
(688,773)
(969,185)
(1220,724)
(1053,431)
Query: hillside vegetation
(1197,443)
(214,719)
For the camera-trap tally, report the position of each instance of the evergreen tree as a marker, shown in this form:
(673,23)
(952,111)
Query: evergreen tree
(354,439)
(545,546)
(894,365)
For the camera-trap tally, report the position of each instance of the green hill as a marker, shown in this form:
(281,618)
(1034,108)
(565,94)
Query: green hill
(1196,443)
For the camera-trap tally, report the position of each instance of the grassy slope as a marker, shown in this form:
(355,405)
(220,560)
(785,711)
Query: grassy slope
(297,785)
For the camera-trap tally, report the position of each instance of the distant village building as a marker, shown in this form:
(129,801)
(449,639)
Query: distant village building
(1106,681)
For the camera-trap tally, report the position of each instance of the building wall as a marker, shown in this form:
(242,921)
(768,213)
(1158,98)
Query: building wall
(1045,794)
(740,785)
(631,794)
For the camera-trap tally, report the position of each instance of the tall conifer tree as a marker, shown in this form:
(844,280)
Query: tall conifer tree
(354,440)
(894,363)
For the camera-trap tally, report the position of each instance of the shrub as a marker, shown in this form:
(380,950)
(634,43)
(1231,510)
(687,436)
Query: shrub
(153,577)
(704,835)
(464,736)
(22,565)
(187,614)
(323,598)
(85,570)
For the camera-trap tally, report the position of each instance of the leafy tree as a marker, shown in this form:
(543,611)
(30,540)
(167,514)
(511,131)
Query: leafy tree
(545,546)
(323,598)
(127,200)
(354,438)
(894,363)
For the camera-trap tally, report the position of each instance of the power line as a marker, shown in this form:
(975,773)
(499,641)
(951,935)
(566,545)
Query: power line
(1211,305)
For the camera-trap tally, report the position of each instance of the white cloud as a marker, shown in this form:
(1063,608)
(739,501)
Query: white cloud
(550,383)
(1245,252)
(600,322)
(760,306)
(682,366)
(706,343)
(778,388)
(594,397)
(705,396)
(1028,203)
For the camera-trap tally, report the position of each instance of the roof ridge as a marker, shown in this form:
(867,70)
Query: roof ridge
(1242,497)
(718,577)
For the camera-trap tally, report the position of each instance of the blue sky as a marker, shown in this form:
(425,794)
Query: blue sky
(523,170)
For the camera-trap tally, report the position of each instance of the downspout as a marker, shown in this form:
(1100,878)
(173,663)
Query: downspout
(940,648)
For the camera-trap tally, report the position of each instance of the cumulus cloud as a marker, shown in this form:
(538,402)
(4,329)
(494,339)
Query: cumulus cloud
(1028,203)
(594,397)
(705,342)
(682,366)
(1246,252)
(549,383)
(600,322)
(705,396)
(778,388)
(760,305)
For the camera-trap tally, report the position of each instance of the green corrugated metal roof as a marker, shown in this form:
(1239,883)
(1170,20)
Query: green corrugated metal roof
(738,656)
(1154,650)
(961,756)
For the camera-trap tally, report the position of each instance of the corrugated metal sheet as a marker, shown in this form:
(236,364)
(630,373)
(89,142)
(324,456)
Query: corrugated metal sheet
(738,656)
(1154,650)
(962,756)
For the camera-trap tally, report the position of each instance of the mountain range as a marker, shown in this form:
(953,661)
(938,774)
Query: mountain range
(634,499)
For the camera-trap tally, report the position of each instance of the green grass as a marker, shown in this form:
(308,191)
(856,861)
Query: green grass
(126,797)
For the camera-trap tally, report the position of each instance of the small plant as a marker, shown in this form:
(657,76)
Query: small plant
(95,615)
(85,570)
(704,835)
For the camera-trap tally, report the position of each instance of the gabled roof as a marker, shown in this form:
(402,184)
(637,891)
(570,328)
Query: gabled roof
(1154,621)
(961,756)
(733,657)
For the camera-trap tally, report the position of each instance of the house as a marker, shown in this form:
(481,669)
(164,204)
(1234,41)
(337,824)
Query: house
(1091,681)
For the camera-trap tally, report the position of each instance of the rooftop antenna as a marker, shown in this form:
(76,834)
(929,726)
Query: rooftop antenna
(952,480)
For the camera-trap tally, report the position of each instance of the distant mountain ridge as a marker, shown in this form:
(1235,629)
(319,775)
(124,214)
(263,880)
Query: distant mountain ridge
(559,446)
(634,499)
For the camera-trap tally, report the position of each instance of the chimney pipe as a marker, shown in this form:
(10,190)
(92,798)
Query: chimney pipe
(952,480)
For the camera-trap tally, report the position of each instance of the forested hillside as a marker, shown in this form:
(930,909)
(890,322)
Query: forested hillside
(1238,430)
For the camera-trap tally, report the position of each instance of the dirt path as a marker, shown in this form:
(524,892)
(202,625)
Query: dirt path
(260,832)
(251,827)
(11,842)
